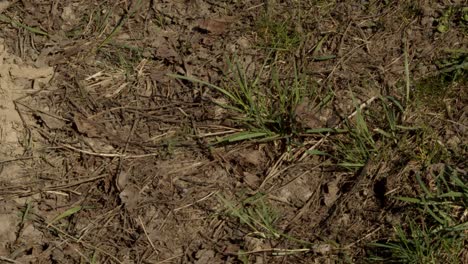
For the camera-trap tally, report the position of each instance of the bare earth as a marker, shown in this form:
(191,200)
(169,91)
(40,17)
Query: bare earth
(105,157)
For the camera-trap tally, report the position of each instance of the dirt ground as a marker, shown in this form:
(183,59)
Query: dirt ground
(107,157)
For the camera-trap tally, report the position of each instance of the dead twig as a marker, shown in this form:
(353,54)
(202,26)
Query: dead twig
(146,234)
(16,159)
(109,155)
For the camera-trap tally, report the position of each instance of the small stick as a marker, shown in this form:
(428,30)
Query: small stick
(274,251)
(12,160)
(146,234)
(362,238)
(109,155)
(200,200)
(9,260)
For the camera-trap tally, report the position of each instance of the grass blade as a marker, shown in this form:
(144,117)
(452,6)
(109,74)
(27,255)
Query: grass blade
(6,19)
(67,213)
(229,95)
(244,136)
(317,152)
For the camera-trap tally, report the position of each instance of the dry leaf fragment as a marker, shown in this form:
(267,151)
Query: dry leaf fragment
(214,26)
(4,5)
(122,180)
(332,193)
(205,256)
(251,179)
(254,157)
(129,197)
(50,121)
(87,127)
(311,116)
(31,73)
(166,52)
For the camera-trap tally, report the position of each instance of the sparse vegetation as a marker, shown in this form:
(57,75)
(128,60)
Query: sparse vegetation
(278,35)
(263,106)
(233,132)
(437,232)
(254,213)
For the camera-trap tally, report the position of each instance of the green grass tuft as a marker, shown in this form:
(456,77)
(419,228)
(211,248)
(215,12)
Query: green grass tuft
(255,213)
(264,109)
(278,35)
(439,233)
